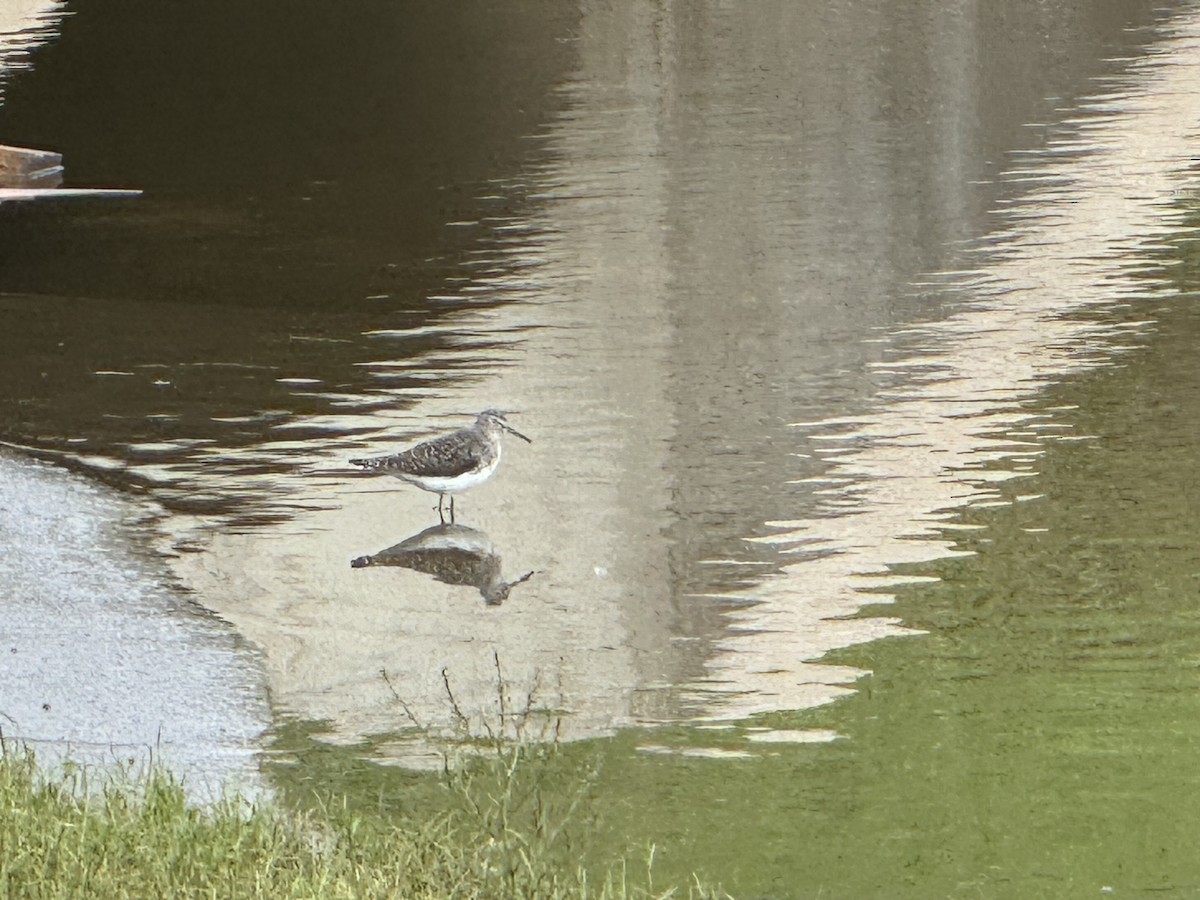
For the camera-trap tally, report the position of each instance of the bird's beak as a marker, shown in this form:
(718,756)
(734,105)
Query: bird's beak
(512,430)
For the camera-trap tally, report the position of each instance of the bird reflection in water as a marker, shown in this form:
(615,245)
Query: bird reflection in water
(453,554)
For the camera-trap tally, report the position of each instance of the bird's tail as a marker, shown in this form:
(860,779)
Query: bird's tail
(380,463)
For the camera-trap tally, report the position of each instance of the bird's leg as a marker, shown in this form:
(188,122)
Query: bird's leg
(451,509)
(441,515)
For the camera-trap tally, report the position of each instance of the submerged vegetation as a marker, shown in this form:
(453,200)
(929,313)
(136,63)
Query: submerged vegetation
(140,837)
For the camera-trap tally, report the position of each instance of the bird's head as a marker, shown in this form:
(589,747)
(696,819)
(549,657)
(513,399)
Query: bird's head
(492,420)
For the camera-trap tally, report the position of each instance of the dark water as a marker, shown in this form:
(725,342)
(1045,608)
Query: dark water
(295,206)
(798,307)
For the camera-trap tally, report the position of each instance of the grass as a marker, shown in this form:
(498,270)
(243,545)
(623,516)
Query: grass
(139,837)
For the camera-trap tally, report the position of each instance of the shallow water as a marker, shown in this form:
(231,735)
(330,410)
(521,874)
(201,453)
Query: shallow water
(105,664)
(799,308)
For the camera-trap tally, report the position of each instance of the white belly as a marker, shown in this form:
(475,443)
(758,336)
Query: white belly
(458,483)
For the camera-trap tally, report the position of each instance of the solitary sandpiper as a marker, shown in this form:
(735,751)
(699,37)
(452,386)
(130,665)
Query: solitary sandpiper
(451,463)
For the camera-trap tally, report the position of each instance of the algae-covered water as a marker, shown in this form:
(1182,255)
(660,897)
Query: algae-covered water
(1038,739)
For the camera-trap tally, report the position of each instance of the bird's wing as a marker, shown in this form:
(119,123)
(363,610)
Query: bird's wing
(450,454)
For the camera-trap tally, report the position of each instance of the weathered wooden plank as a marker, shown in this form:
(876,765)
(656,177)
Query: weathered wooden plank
(26,167)
(28,174)
(31,193)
